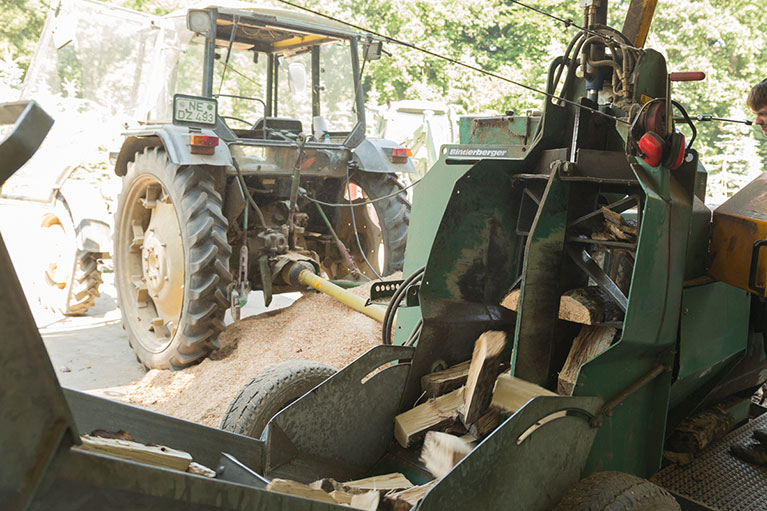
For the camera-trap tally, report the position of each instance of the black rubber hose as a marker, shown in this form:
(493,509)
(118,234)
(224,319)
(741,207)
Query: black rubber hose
(391,308)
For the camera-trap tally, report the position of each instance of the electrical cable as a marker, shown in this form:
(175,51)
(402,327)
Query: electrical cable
(394,302)
(354,226)
(368,201)
(457,62)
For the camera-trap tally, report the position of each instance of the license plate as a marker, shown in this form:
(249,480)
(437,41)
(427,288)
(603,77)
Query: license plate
(194,110)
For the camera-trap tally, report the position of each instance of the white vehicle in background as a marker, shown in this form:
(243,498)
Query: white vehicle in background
(83,74)
(423,126)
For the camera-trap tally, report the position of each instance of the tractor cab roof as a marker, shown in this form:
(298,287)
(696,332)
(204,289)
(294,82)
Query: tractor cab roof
(271,30)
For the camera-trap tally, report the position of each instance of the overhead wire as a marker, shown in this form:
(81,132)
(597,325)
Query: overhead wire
(456,62)
(570,23)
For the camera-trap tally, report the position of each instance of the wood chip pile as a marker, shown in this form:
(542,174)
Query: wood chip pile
(315,327)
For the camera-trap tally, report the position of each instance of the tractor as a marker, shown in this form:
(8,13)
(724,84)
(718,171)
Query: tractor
(265,167)
(600,194)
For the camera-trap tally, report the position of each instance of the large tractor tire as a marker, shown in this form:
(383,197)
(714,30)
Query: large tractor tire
(71,277)
(385,226)
(616,491)
(270,391)
(171,260)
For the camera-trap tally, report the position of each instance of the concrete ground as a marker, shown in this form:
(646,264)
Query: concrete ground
(90,352)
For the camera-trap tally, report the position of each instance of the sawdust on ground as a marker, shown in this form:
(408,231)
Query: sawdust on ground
(315,327)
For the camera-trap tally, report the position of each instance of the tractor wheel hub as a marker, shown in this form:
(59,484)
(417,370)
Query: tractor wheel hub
(154,263)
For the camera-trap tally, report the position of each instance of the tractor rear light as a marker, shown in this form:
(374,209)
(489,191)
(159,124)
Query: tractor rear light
(400,154)
(203,144)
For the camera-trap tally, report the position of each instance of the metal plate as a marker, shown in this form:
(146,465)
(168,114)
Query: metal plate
(718,479)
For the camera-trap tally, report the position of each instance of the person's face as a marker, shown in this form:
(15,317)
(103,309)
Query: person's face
(761,118)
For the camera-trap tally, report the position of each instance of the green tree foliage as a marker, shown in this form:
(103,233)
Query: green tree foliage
(724,38)
(21,22)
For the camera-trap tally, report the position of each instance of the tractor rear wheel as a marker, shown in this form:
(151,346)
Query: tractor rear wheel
(71,277)
(171,260)
(616,491)
(382,224)
(270,391)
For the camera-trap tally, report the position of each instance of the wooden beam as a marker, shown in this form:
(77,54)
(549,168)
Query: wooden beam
(442,411)
(511,393)
(156,455)
(482,373)
(442,382)
(441,452)
(590,342)
(638,20)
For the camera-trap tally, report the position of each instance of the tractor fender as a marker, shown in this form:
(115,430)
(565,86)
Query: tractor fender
(373,155)
(89,215)
(175,141)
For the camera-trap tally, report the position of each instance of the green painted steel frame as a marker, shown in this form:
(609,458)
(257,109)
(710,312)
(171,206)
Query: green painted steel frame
(631,438)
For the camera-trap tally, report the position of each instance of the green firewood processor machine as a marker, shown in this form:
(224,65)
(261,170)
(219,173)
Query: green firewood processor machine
(600,189)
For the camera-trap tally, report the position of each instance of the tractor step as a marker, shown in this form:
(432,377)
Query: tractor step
(716,479)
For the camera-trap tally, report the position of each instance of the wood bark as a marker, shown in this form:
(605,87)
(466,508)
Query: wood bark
(442,382)
(586,305)
(482,373)
(438,412)
(590,342)
(485,424)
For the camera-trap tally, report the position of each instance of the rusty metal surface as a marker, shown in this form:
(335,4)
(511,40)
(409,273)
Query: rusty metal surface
(718,479)
(737,224)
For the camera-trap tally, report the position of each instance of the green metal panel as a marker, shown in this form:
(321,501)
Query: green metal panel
(464,129)
(430,197)
(504,130)
(714,326)
(631,439)
(539,299)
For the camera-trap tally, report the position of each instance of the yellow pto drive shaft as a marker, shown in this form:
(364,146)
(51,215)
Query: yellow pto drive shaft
(302,274)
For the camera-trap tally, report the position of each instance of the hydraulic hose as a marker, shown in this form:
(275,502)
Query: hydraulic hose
(391,309)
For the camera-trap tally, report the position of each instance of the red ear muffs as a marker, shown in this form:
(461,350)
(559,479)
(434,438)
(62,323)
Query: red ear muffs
(675,156)
(652,146)
(655,150)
